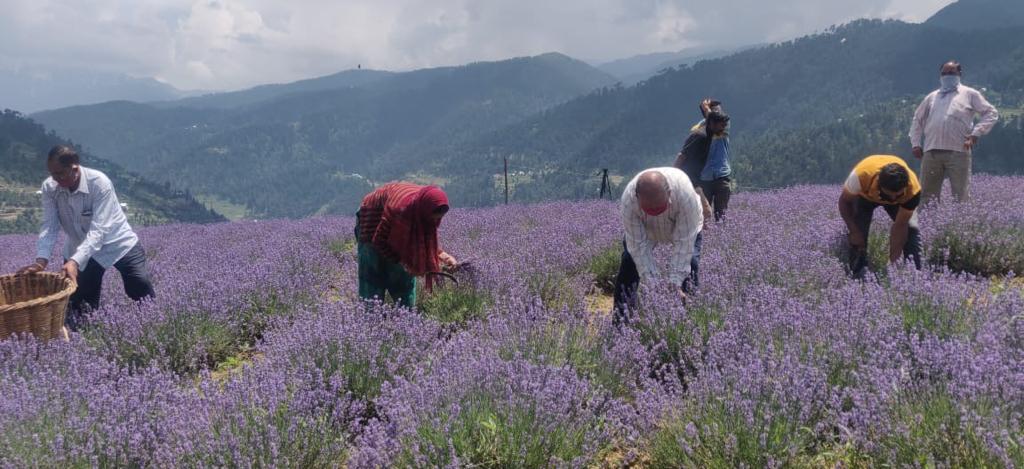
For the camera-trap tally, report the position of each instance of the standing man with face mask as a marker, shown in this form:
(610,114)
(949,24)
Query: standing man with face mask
(943,133)
(659,206)
(82,203)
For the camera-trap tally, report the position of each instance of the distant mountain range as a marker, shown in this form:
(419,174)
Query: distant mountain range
(979,14)
(635,69)
(251,96)
(803,111)
(310,146)
(28,91)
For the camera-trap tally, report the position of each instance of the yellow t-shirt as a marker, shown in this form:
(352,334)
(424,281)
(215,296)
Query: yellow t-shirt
(863,181)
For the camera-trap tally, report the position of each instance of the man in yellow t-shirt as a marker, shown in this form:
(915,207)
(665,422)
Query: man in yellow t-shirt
(887,181)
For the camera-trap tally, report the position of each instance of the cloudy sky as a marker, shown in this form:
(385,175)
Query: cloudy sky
(230,44)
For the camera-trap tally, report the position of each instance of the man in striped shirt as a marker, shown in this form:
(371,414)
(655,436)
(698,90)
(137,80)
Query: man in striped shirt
(944,133)
(81,202)
(659,206)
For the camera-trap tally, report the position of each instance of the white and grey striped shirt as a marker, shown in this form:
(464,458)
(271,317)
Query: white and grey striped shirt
(91,217)
(679,226)
(943,121)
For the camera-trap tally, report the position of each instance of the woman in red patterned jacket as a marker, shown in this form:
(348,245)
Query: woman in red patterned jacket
(397,240)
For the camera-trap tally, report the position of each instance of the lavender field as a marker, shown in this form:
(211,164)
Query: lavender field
(257,352)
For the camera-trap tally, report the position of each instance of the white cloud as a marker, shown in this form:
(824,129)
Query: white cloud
(226,44)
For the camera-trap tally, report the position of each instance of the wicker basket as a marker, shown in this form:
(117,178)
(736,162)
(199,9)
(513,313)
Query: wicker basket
(34,303)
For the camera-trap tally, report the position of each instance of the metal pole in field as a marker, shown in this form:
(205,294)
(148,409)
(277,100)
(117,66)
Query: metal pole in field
(604,183)
(506,180)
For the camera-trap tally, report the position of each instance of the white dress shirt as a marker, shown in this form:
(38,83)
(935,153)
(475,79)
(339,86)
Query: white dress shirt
(91,218)
(944,120)
(678,225)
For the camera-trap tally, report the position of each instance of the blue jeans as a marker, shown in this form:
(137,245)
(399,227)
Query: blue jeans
(628,279)
(134,273)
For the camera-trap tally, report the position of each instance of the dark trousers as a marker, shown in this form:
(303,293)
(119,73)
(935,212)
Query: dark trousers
(134,273)
(718,193)
(864,211)
(628,279)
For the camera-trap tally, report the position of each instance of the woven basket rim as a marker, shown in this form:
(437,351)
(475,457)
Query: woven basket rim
(69,288)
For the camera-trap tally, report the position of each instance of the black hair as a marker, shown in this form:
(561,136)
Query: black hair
(959,68)
(64,154)
(893,177)
(716,116)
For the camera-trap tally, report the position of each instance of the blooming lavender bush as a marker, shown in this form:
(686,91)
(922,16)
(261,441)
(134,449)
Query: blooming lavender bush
(258,352)
(472,407)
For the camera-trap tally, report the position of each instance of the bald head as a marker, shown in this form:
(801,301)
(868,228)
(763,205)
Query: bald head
(652,190)
(651,183)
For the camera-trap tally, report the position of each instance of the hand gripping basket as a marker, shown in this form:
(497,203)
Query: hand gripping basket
(34,303)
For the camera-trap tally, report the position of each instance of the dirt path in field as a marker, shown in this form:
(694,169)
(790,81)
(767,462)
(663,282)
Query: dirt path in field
(599,304)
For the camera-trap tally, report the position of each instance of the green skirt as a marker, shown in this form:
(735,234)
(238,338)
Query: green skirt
(378,275)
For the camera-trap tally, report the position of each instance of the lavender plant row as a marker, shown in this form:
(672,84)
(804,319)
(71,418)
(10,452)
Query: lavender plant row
(257,352)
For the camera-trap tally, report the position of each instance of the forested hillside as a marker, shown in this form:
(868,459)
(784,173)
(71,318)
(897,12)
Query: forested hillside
(317,151)
(803,111)
(23,148)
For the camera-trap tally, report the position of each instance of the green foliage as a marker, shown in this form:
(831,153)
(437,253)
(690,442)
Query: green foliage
(709,434)
(923,315)
(361,377)
(23,149)
(188,342)
(555,290)
(981,249)
(342,248)
(486,433)
(185,342)
(679,342)
(604,267)
(316,149)
(579,345)
(315,442)
(878,251)
(931,431)
(802,113)
(454,304)
(261,312)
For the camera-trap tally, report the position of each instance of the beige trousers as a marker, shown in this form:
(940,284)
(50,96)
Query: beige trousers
(937,165)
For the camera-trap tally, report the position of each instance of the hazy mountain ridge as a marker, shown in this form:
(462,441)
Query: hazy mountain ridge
(632,70)
(560,121)
(373,129)
(24,145)
(979,14)
(30,91)
(802,84)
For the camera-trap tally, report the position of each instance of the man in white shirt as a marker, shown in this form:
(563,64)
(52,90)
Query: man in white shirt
(944,133)
(659,206)
(81,202)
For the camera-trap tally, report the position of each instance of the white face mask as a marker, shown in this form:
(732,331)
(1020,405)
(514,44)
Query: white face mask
(949,82)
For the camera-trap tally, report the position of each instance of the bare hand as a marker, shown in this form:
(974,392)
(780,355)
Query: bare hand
(970,143)
(705,107)
(70,270)
(37,267)
(857,240)
(918,152)
(705,207)
(447,260)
